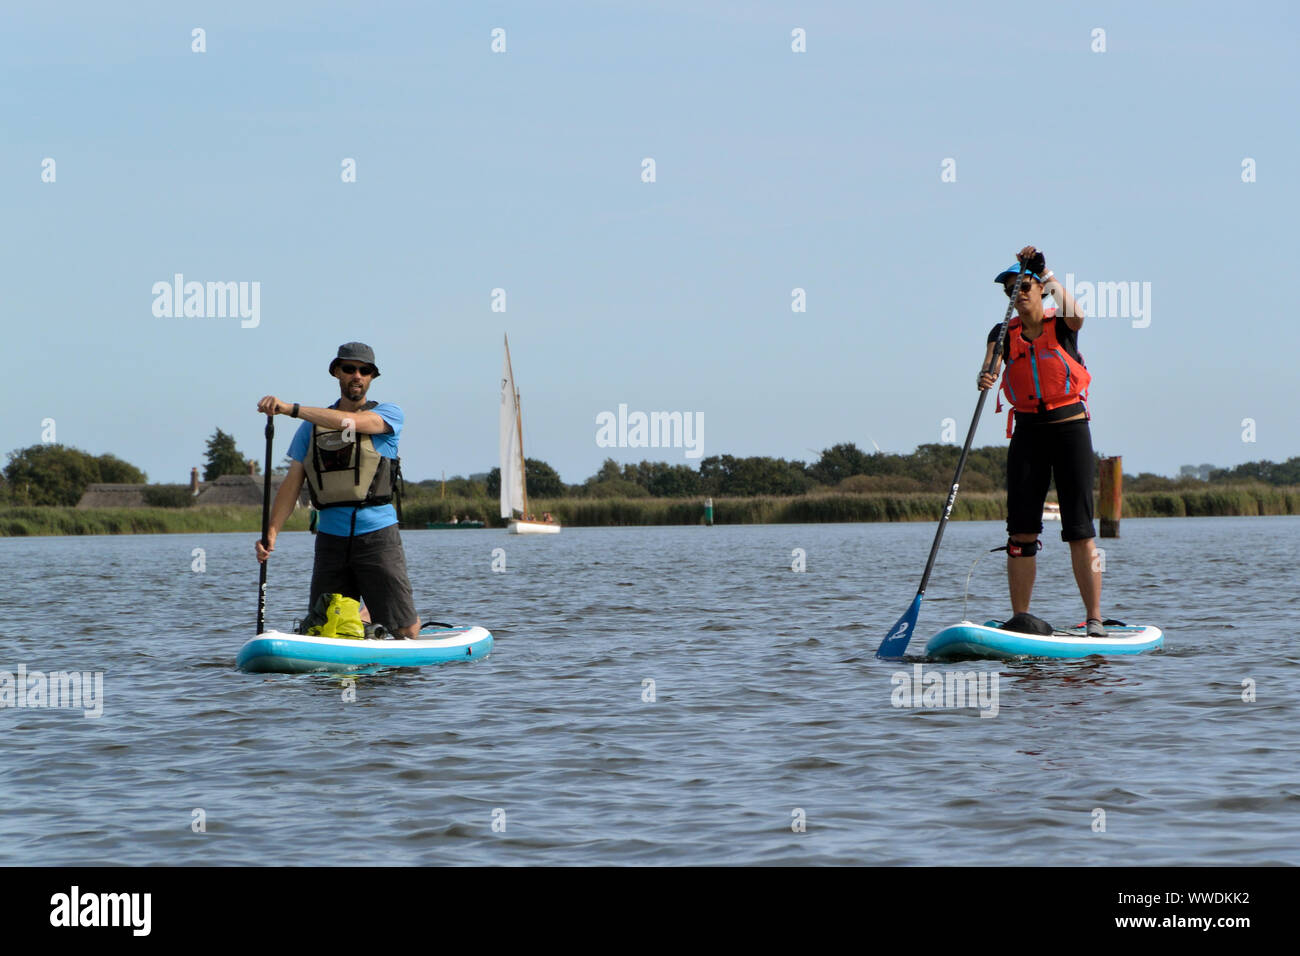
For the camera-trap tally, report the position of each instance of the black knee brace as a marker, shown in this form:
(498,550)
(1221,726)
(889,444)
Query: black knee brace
(1021,549)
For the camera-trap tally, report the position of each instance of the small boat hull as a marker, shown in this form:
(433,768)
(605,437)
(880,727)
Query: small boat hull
(533,527)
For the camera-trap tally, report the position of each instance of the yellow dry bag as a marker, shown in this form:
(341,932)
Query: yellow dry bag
(342,618)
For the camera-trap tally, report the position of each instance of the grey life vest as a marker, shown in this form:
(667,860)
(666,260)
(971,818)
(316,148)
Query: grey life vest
(347,471)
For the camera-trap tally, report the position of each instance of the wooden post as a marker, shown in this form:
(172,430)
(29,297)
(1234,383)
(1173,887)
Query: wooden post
(1111,505)
(708,512)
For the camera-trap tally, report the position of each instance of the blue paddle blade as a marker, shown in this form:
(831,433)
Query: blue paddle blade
(896,641)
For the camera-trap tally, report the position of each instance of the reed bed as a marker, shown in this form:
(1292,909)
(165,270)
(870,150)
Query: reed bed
(1254,499)
(17,522)
(803,509)
(823,507)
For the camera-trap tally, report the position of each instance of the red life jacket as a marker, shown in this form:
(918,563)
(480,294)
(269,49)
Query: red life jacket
(1040,374)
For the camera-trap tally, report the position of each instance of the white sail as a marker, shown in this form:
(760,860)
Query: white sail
(512,457)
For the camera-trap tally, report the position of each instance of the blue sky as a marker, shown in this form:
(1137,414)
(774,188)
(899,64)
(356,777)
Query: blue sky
(521,170)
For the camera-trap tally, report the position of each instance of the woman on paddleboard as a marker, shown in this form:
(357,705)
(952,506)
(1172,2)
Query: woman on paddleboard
(1046,382)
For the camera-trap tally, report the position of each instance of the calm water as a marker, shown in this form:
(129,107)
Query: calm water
(767,701)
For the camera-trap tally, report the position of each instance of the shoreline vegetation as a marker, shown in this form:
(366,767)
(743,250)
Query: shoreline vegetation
(19,521)
(42,484)
(420,507)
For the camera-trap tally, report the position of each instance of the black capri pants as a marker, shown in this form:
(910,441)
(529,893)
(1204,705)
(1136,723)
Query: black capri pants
(1037,454)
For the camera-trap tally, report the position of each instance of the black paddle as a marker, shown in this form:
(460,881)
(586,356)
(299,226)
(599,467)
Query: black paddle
(896,641)
(266,526)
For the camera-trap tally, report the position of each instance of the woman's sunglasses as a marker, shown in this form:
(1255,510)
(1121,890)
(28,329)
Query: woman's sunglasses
(1010,287)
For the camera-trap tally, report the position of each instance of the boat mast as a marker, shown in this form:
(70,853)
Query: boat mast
(519,427)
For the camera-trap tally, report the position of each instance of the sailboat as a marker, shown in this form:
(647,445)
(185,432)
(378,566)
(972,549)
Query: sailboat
(514,486)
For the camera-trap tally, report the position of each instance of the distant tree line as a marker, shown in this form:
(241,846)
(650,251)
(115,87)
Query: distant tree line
(57,475)
(842,467)
(1270,473)
(1265,472)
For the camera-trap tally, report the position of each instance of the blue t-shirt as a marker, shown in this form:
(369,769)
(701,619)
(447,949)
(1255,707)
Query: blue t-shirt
(339,520)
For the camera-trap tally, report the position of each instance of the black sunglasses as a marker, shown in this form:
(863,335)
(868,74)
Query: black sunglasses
(367,370)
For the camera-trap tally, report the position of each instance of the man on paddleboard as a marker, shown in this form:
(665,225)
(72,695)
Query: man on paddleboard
(1047,385)
(347,454)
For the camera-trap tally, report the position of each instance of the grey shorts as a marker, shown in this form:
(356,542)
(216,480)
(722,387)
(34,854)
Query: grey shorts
(369,567)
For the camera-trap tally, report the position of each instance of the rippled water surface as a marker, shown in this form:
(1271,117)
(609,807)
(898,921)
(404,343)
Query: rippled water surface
(768,706)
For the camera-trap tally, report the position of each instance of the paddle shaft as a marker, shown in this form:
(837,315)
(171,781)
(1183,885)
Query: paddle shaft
(970,436)
(896,641)
(266,526)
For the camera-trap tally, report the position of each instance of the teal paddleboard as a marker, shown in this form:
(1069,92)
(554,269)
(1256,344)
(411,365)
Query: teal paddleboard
(969,640)
(274,652)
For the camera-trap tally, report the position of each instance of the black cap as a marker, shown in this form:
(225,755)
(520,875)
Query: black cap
(355,352)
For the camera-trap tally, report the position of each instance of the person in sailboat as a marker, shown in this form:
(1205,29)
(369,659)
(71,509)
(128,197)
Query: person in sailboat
(1046,382)
(347,454)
